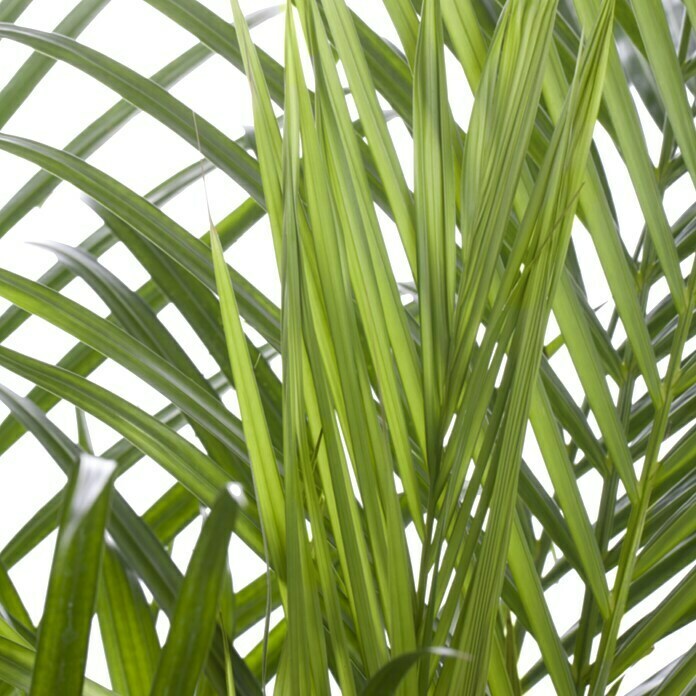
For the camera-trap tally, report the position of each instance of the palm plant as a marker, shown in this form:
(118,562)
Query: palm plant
(377,458)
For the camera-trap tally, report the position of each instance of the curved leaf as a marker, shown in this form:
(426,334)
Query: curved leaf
(194,617)
(61,651)
(387,680)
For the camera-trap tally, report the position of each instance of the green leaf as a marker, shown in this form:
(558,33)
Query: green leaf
(552,201)
(384,414)
(435,218)
(11,605)
(388,679)
(194,617)
(141,550)
(39,187)
(631,142)
(179,457)
(383,151)
(542,628)
(307,655)
(117,344)
(15,92)
(136,318)
(17,666)
(126,626)
(191,254)
(267,481)
(11,9)
(61,651)
(664,63)
(151,98)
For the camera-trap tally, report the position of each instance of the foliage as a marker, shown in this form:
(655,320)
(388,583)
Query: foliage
(410,545)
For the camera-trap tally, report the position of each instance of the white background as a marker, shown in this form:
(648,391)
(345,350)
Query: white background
(142,155)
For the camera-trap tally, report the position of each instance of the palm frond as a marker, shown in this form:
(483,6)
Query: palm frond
(426,452)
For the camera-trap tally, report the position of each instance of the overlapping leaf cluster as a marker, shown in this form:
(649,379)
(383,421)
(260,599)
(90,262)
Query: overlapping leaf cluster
(409,544)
